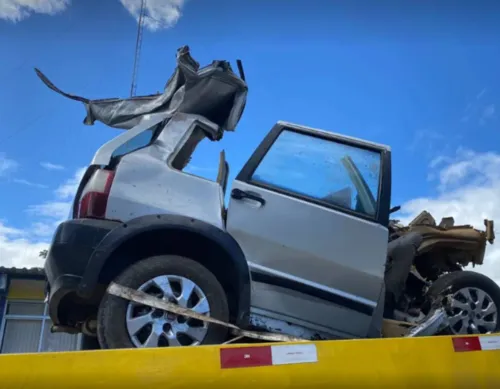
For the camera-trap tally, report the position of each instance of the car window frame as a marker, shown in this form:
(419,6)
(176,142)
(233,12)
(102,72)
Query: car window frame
(155,132)
(384,185)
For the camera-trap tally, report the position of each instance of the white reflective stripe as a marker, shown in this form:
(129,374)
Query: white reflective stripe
(290,354)
(489,342)
(338,292)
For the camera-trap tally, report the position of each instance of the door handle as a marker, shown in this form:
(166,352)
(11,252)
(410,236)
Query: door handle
(239,194)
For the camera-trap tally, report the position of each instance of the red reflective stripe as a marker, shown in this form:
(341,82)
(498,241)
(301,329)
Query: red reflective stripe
(245,357)
(466,344)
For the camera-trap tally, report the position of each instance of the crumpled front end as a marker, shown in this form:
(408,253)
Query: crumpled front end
(453,244)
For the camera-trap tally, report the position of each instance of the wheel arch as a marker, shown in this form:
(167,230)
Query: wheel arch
(176,235)
(451,282)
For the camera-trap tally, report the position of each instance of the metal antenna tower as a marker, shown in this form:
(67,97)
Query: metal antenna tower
(138,44)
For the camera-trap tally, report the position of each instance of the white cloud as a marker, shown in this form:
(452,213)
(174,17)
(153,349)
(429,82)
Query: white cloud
(51,166)
(479,110)
(29,183)
(20,248)
(69,188)
(160,14)
(426,142)
(60,207)
(43,229)
(7,165)
(487,114)
(435,162)
(489,110)
(19,251)
(17,10)
(469,190)
(9,231)
(52,209)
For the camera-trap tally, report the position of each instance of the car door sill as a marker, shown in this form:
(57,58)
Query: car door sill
(272,277)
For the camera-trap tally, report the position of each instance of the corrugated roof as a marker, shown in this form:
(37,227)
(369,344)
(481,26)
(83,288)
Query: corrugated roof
(17,271)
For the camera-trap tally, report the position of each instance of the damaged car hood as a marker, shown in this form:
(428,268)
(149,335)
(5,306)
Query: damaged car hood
(214,92)
(446,235)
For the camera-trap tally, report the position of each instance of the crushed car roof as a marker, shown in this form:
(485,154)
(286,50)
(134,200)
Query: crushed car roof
(214,92)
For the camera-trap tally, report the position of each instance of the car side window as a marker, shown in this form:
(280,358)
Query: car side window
(322,170)
(136,143)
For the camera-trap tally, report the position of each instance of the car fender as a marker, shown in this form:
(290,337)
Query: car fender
(116,237)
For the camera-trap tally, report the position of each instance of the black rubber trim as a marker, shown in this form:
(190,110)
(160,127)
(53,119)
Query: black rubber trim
(384,203)
(286,283)
(239,194)
(149,223)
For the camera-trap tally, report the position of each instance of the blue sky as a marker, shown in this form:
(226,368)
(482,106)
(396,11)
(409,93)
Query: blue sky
(421,79)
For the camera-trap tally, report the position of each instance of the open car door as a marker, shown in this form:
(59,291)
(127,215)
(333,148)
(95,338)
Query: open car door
(310,210)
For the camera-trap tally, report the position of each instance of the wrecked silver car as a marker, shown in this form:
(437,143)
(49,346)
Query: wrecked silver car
(283,256)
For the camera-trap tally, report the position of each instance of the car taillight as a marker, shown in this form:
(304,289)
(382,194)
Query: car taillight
(94,198)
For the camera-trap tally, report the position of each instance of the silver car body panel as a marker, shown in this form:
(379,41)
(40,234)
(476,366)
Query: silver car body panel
(313,236)
(317,248)
(145,182)
(308,266)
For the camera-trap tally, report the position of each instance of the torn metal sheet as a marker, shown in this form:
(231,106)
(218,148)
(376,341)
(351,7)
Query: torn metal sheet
(154,302)
(436,320)
(274,326)
(214,92)
(432,325)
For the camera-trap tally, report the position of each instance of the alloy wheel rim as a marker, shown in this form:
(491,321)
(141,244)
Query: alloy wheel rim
(151,327)
(472,311)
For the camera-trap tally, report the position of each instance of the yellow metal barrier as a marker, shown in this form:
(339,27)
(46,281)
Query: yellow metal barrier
(438,362)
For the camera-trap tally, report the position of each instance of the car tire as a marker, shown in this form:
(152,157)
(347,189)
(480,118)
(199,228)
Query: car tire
(113,329)
(456,284)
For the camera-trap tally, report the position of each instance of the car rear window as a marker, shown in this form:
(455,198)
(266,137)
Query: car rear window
(138,142)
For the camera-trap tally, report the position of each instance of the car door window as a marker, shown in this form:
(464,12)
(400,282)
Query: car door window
(323,171)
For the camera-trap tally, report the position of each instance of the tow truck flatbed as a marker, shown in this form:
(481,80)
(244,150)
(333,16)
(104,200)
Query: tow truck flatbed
(433,362)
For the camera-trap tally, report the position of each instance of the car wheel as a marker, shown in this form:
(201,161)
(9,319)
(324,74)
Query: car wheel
(179,280)
(475,302)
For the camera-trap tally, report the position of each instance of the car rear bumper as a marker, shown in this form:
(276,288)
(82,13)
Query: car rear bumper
(72,247)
